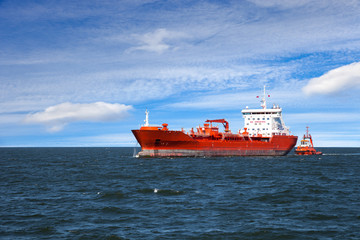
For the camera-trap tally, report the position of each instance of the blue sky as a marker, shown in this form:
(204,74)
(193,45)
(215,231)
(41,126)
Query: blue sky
(82,73)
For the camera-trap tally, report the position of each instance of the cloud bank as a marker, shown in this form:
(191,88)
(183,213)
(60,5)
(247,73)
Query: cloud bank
(336,80)
(56,117)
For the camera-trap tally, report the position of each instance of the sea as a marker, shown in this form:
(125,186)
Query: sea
(107,193)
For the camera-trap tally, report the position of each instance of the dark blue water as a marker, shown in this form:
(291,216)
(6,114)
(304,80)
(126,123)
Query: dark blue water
(105,193)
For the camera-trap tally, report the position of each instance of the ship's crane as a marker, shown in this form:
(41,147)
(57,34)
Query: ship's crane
(223,121)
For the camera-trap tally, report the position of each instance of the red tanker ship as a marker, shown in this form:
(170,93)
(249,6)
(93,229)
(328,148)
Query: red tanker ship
(264,134)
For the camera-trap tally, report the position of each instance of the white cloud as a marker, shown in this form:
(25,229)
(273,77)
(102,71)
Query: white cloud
(336,80)
(154,41)
(56,117)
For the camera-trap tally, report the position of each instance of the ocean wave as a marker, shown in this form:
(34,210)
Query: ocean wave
(112,195)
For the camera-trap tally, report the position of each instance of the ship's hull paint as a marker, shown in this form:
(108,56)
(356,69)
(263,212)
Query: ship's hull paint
(307,151)
(158,143)
(208,153)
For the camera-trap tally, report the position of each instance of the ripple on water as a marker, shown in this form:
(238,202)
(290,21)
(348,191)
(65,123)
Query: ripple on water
(116,195)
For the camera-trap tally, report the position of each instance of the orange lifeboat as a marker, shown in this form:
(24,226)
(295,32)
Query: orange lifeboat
(306,146)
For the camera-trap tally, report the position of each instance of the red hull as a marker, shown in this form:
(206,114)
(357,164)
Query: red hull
(158,143)
(307,151)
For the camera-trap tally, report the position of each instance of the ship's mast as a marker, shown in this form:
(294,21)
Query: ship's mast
(263,100)
(307,131)
(146,118)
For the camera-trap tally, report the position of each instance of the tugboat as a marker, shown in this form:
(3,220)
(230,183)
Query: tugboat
(306,146)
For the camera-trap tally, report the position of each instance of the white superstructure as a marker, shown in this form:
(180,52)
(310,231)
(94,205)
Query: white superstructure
(307,140)
(264,121)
